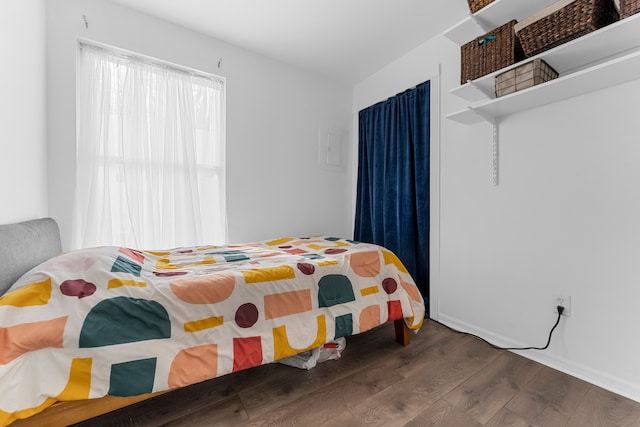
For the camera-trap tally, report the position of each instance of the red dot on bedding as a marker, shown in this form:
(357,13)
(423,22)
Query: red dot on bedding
(169,273)
(306,268)
(77,288)
(247,315)
(334,251)
(389,285)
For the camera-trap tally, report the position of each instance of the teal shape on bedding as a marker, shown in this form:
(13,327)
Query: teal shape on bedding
(121,320)
(234,258)
(332,239)
(231,252)
(313,256)
(334,289)
(344,326)
(132,378)
(124,265)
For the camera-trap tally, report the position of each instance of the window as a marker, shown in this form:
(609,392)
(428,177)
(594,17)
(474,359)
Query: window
(150,153)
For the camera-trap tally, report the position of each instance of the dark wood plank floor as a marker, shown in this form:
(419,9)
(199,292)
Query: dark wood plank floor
(441,379)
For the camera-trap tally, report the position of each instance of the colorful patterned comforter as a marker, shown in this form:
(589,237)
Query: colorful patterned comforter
(123,322)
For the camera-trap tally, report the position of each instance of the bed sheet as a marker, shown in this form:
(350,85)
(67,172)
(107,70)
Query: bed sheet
(123,322)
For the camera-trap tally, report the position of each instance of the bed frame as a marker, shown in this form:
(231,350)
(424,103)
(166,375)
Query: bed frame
(27,244)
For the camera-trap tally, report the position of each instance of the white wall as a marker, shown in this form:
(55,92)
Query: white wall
(564,219)
(275,185)
(23,165)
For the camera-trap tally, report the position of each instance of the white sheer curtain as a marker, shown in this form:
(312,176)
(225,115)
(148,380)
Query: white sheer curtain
(150,153)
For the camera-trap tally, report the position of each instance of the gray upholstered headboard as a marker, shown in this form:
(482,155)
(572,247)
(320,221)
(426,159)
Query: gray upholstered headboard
(24,245)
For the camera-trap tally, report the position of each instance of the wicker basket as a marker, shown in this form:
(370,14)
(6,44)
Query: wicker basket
(628,8)
(488,53)
(476,5)
(566,21)
(524,76)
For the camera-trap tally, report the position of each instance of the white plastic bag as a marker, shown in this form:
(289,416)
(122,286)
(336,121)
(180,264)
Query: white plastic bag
(309,359)
(305,360)
(332,350)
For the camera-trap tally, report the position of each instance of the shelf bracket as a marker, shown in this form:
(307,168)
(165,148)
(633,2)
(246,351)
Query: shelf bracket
(495,143)
(481,89)
(495,151)
(482,114)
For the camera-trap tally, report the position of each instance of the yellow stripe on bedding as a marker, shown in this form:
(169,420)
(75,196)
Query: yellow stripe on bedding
(116,283)
(158,253)
(332,245)
(166,264)
(279,241)
(37,293)
(77,388)
(206,248)
(391,258)
(369,291)
(271,274)
(7,418)
(79,384)
(282,348)
(327,262)
(202,324)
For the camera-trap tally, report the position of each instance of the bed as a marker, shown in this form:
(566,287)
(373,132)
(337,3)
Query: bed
(86,332)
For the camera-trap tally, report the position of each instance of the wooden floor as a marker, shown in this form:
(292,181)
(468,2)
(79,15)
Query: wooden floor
(441,379)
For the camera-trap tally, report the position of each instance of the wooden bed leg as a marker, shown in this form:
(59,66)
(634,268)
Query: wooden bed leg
(402,332)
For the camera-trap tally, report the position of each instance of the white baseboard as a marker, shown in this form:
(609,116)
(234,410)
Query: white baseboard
(593,376)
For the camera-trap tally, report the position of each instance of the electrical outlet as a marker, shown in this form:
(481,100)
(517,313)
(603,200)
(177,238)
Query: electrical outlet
(563,300)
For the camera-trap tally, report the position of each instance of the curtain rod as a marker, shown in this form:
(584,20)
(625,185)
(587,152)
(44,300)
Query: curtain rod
(393,96)
(129,56)
(400,93)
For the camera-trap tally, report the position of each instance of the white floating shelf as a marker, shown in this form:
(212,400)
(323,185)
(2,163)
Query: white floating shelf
(611,73)
(491,16)
(588,50)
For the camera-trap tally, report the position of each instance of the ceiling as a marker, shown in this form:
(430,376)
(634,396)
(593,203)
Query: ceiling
(346,40)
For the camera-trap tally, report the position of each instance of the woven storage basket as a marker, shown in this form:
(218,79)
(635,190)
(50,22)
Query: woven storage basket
(476,5)
(490,52)
(628,8)
(574,19)
(524,76)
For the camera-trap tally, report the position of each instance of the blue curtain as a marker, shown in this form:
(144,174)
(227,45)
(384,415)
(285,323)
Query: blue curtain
(392,206)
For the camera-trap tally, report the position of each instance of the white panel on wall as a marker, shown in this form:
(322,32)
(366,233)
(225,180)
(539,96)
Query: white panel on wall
(332,150)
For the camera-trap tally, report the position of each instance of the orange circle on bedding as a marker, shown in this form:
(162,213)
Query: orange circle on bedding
(412,290)
(207,289)
(365,264)
(193,365)
(369,318)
